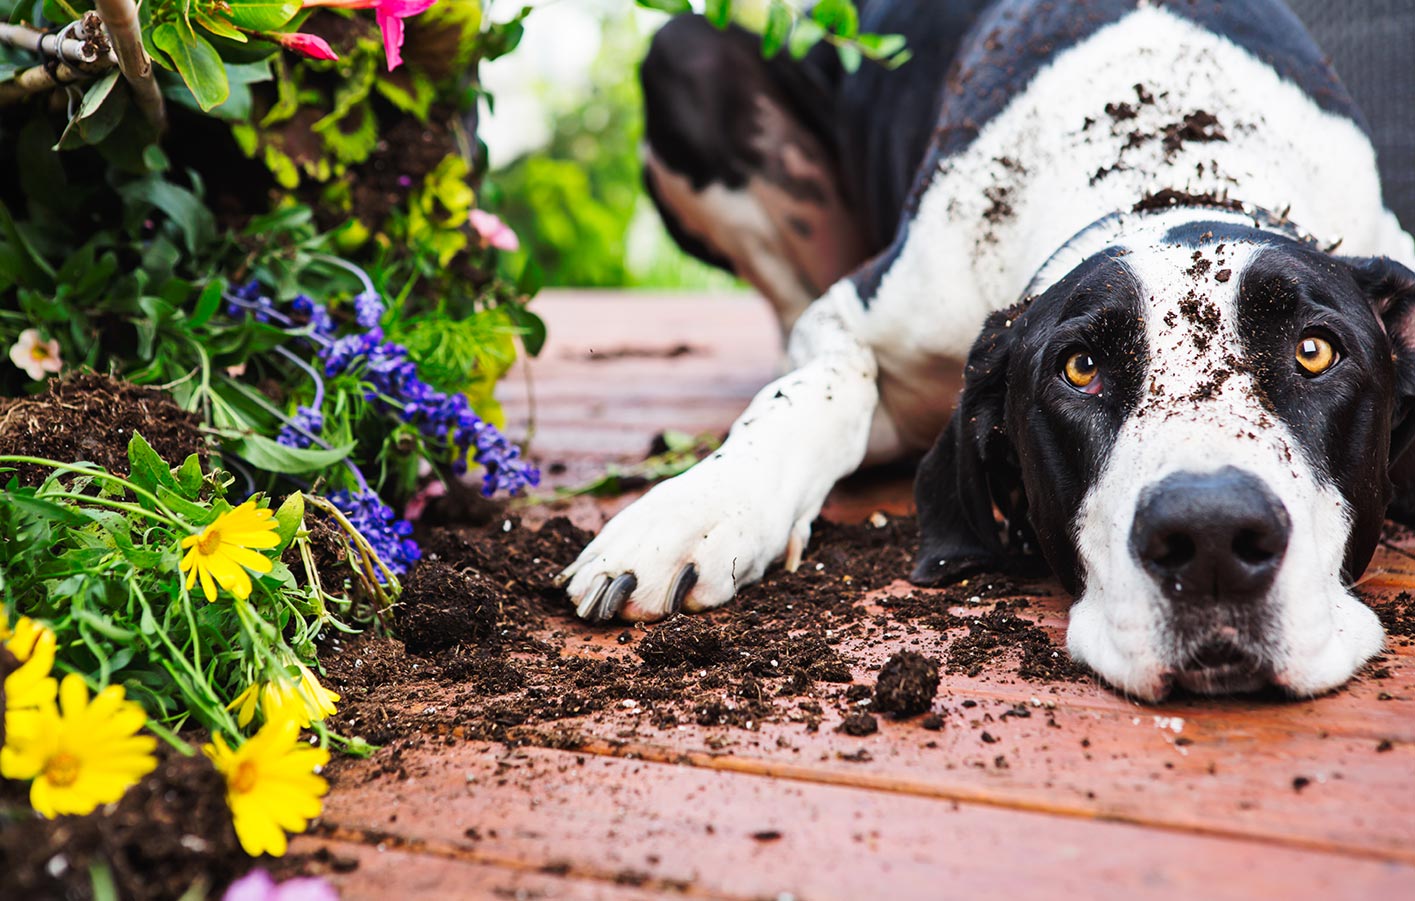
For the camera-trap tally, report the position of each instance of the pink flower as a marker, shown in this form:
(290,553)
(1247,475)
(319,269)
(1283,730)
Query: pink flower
(258,886)
(311,45)
(493,232)
(37,358)
(417,504)
(390,15)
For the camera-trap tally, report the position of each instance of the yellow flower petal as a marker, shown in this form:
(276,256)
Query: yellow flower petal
(271,785)
(83,752)
(249,559)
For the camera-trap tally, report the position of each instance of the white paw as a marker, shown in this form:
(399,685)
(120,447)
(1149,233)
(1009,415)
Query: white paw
(689,544)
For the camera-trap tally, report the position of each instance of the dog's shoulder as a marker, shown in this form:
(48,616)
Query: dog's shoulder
(1014,40)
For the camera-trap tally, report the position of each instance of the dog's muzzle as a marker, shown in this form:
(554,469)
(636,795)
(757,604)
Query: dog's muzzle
(1213,542)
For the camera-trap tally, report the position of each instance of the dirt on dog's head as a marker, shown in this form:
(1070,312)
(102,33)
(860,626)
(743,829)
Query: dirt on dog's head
(1195,427)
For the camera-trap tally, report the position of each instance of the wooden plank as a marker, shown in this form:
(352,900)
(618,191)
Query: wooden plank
(1228,766)
(391,869)
(730,834)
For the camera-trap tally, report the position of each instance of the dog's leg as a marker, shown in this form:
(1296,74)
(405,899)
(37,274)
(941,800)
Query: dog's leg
(741,164)
(693,541)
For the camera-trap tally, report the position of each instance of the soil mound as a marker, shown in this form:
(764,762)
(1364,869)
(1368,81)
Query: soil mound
(92,417)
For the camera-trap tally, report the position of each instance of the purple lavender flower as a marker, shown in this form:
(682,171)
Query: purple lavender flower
(376,521)
(302,429)
(395,387)
(248,299)
(368,309)
(316,316)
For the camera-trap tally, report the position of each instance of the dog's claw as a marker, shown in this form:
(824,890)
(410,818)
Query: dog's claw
(590,609)
(796,545)
(682,584)
(618,592)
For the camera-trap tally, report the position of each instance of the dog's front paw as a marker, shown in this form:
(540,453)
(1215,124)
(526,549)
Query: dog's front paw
(689,544)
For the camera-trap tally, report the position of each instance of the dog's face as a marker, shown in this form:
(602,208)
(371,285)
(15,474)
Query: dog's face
(1195,428)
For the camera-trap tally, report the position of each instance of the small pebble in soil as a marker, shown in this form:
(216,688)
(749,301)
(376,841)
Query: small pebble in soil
(1300,782)
(859,725)
(906,685)
(1384,746)
(933,722)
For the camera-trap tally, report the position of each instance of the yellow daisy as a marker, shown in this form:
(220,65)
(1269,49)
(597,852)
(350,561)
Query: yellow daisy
(272,785)
(30,689)
(224,550)
(90,754)
(303,702)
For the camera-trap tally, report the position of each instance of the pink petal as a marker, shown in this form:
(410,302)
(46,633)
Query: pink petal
(392,28)
(404,8)
(310,45)
(254,886)
(505,239)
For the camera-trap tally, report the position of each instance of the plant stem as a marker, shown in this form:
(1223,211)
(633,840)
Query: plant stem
(53,46)
(170,518)
(121,19)
(37,80)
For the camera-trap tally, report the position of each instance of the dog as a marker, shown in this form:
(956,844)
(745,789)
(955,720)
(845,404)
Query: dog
(1146,241)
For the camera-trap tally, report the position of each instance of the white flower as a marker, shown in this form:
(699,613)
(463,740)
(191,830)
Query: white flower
(37,358)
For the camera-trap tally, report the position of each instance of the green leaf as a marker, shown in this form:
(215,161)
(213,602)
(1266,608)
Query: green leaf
(99,113)
(778,29)
(533,332)
(263,453)
(196,514)
(718,12)
(263,15)
(196,61)
(208,303)
(288,520)
(185,209)
(146,469)
(837,16)
(804,36)
(672,7)
(218,26)
(189,477)
(879,46)
(849,57)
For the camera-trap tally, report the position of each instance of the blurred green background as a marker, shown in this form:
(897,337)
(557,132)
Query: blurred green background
(563,132)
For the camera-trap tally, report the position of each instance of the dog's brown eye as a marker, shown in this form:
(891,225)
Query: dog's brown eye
(1082,372)
(1315,355)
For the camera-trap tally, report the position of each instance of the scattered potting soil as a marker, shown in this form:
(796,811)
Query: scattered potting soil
(490,649)
(93,417)
(170,832)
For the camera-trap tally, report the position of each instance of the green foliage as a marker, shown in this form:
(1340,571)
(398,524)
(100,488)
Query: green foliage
(97,558)
(577,202)
(797,27)
(681,453)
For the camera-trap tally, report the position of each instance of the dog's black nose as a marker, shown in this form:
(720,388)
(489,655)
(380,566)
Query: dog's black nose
(1217,535)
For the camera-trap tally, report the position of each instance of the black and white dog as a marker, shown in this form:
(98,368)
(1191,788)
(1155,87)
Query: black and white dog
(1185,396)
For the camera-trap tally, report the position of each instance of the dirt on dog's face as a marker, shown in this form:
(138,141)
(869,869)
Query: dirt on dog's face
(1194,427)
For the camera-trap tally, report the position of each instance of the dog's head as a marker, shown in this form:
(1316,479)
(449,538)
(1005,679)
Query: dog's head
(1194,427)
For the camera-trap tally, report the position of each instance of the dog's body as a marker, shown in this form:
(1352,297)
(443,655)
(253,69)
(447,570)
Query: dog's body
(1147,175)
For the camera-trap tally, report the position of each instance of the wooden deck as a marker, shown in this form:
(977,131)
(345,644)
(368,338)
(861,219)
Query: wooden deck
(1069,791)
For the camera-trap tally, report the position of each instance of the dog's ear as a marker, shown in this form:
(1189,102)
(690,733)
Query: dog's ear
(971,469)
(1390,288)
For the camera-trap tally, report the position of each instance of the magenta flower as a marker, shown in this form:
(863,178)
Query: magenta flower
(313,46)
(493,232)
(389,15)
(258,886)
